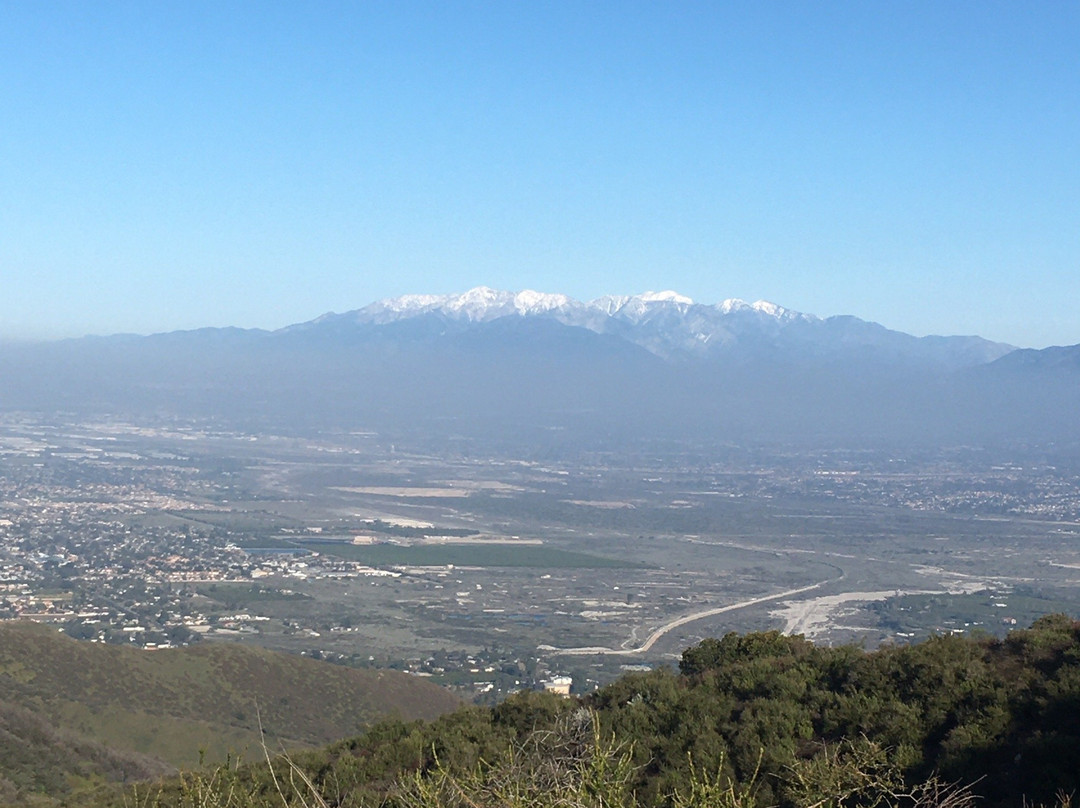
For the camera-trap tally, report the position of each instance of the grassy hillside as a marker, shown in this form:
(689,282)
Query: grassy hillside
(37,758)
(72,712)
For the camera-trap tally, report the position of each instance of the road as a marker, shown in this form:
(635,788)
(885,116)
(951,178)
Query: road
(682,621)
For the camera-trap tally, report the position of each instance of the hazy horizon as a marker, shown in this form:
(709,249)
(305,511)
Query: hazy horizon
(31,339)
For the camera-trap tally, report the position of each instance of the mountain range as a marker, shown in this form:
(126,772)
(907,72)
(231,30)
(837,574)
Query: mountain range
(668,325)
(544,370)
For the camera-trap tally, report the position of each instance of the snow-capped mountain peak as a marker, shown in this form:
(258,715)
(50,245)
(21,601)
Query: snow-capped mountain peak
(473,304)
(765,307)
(411,302)
(484,303)
(665,323)
(529,302)
(667,296)
(478,304)
(609,304)
(634,307)
(732,304)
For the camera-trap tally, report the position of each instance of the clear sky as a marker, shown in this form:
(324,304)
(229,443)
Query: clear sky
(186,164)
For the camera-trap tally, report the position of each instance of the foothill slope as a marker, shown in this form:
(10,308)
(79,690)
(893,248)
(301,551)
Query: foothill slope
(97,712)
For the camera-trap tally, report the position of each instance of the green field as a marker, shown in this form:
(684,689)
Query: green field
(233,596)
(265,543)
(466,555)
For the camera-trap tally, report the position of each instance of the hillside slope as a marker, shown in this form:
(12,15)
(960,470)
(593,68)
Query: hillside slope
(91,711)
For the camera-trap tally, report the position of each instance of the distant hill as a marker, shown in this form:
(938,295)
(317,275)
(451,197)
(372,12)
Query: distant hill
(74,712)
(1066,358)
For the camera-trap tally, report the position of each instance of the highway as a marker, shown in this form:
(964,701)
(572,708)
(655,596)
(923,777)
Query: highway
(682,621)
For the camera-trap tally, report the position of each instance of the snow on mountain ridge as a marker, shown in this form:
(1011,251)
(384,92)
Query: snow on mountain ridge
(478,301)
(477,304)
(667,296)
(484,303)
(765,307)
(732,304)
(608,304)
(529,302)
(666,323)
(670,325)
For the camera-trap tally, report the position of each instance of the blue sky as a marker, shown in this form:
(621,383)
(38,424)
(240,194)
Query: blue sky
(178,165)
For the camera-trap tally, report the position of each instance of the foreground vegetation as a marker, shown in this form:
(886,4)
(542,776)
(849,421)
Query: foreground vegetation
(747,722)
